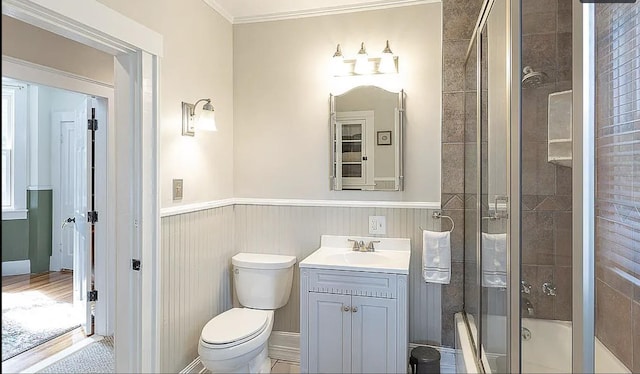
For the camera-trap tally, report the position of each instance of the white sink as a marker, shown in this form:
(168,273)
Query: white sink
(391,255)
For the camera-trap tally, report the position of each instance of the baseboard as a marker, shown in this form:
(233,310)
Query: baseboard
(194,367)
(16,267)
(284,346)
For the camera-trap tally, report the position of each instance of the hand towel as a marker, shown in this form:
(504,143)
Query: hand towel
(436,256)
(494,260)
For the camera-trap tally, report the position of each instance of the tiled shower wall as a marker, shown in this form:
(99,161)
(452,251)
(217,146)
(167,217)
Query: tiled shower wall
(546,187)
(459,19)
(618,180)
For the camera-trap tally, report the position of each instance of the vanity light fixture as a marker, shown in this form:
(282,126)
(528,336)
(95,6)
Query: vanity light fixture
(387,63)
(362,61)
(337,62)
(206,120)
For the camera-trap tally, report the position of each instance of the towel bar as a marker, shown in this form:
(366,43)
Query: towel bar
(437,215)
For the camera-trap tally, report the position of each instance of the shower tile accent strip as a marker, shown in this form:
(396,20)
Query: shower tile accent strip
(618,181)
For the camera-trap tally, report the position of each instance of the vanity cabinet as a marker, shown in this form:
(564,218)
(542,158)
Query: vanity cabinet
(353,322)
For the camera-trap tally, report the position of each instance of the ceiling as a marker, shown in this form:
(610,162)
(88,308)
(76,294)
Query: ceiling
(247,11)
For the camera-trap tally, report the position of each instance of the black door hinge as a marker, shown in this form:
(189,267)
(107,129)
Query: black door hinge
(135,264)
(92,217)
(92,124)
(93,295)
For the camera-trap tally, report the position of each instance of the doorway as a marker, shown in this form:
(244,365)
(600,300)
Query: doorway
(55,130)
(131,154)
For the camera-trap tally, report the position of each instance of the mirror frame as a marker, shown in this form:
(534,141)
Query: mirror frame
(333,182)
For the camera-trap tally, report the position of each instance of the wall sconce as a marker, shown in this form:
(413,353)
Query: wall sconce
(362,64)
(206,120)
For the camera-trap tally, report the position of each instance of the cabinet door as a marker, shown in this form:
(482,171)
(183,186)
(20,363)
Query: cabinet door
(329,333)
(374,335)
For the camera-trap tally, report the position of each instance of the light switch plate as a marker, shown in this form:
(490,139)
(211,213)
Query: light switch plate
(377,225)
(177,189)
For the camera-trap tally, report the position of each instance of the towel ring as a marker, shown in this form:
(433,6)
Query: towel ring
(437,215)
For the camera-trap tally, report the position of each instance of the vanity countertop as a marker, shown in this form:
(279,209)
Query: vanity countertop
(391,255)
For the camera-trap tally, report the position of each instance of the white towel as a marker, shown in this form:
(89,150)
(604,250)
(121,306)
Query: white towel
(436,257)
(494,260)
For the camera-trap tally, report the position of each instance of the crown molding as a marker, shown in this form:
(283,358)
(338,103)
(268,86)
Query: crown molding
(220,9)
(304,13)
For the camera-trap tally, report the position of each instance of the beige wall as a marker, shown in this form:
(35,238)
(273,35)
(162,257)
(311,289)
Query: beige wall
(281,100)
(33,44)
(197,63)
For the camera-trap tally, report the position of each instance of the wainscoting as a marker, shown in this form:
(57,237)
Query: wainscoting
(195,280)
(197,247)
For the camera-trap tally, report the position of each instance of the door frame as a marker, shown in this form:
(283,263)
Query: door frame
(105,256)
(132,158)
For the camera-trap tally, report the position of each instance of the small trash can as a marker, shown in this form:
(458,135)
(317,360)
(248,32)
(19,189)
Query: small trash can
(425,360)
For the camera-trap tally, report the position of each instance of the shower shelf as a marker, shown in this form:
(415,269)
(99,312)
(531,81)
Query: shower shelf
(559,147)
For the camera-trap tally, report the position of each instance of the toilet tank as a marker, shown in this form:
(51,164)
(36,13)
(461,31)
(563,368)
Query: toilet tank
(263,281)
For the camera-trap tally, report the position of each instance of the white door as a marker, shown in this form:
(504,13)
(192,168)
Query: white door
(65,194)
(82,250)
(73,199)
(329,333)
(374,335)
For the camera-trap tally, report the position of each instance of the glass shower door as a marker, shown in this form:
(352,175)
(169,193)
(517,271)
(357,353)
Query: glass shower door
(493,155)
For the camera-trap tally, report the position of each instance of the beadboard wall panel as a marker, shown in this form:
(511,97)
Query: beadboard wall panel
(195,280)
(295,230)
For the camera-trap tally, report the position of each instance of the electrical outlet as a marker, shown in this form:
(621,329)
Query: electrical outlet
(377,225)
(177,189)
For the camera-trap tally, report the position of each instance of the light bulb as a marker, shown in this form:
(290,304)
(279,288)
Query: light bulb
(362,62)
(387,63)
(337,62)
(207,118)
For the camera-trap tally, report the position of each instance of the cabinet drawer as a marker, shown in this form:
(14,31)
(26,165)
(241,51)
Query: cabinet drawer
(353,283)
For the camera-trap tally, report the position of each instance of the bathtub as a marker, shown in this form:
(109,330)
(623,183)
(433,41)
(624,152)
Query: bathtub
(547,351)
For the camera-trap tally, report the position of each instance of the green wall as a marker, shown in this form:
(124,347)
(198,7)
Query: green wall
(31,238)
(40,205)
(15,240)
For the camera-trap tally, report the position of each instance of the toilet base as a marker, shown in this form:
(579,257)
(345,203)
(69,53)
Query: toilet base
(261,364)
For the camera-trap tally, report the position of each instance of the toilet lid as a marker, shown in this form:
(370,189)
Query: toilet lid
(237,324)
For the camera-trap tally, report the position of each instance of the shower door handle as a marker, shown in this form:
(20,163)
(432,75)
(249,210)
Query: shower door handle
(501,213)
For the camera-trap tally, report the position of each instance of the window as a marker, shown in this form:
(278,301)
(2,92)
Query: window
(8,129)
(14,149)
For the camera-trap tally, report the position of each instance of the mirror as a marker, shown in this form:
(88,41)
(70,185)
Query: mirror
(366,139)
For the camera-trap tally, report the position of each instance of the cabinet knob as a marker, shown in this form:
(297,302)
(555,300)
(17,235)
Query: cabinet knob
(345,308)
(354,309)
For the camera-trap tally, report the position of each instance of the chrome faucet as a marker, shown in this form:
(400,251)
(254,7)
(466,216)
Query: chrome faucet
(525,287)
(370,247)
(527,304)
(359,246)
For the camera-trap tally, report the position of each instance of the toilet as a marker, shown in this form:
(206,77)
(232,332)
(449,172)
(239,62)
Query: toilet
(237,340)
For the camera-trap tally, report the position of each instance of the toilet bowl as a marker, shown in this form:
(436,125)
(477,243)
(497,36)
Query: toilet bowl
(236,341)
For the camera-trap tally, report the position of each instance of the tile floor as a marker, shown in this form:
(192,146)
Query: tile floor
(447,366)
(282,366)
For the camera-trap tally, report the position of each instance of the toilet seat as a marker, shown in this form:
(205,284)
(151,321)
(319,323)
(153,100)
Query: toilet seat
(234,327)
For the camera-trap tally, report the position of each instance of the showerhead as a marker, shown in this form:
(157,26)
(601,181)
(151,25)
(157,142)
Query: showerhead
(532,78)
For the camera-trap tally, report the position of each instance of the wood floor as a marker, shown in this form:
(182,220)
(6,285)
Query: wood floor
(56,285)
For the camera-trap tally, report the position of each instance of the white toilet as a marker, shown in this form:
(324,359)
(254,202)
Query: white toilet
(236,341)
